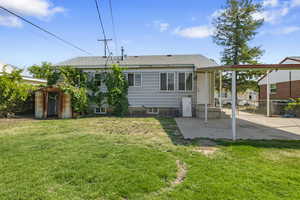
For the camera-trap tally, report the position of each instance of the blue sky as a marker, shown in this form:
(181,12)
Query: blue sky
(143,28)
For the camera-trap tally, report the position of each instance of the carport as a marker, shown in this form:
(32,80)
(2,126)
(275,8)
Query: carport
(234,68)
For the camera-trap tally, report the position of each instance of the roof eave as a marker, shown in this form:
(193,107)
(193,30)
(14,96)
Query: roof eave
(251,67)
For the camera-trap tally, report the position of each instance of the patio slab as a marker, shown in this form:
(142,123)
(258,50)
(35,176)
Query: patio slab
(249,126)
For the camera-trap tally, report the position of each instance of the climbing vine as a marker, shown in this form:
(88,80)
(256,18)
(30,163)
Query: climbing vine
(117,91)
(95,95)
(79,99)
(84,90)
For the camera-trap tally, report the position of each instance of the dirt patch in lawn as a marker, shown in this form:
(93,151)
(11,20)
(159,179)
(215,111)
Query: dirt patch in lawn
(206,147)
(180,176)
(181,173)
(277,155)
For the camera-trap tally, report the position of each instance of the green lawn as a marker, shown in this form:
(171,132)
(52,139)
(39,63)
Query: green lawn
(137,158)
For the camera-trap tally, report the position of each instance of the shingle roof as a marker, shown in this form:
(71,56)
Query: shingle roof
(155,60)
(294,57)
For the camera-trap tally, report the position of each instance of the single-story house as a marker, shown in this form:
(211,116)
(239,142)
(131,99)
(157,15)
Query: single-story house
(27,79)
(284,84)
(160,84)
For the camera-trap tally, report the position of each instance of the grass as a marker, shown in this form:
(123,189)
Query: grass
(136,158)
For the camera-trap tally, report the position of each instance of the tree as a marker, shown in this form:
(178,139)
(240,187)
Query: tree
(44,71)
(235,28)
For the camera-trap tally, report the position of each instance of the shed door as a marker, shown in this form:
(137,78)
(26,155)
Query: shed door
(186,107)
(52,104)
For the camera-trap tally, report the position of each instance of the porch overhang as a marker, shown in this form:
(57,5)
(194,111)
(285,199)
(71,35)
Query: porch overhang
(251,67)
(234,69)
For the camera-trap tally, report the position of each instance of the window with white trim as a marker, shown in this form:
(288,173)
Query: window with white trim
(152,111)
(98,79)
(134,79)
(185,81)
(167,81)
(100,110)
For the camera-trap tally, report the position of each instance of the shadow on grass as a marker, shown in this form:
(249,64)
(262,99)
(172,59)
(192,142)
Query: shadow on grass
(170,127)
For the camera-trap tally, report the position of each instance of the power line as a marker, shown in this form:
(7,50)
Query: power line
(102,26)
(105,44)
(113,26)
(48,32)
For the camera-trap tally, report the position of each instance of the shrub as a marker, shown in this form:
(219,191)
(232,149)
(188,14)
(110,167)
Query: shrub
(14,94)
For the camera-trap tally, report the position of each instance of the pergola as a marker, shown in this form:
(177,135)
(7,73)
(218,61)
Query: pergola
(234,69)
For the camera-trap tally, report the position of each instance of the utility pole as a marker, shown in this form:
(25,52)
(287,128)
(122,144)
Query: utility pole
(105,44)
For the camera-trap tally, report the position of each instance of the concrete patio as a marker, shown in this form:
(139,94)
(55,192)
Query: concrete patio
(249,126)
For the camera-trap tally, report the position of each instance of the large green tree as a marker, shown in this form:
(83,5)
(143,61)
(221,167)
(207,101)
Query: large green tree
(235,27)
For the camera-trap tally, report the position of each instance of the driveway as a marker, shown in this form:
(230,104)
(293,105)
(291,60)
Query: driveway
(249,126)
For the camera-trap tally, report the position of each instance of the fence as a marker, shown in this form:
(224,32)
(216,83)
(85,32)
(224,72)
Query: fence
(277,107)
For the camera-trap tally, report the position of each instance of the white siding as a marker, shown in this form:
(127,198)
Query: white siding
(150,95)
(282,75)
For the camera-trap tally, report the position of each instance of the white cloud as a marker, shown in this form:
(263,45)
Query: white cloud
(275,10)
(10,21)
(288,30)
(194,32)
(271,3)
(273,16)
(281,31)
(162,26)
(295,3)
(34,8)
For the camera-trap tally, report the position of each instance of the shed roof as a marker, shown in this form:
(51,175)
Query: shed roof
(149,60)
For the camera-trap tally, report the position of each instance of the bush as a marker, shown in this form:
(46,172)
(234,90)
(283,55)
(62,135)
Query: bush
(293,104)
(14,94)
(79,99)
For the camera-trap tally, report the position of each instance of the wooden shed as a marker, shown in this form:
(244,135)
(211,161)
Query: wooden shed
(52,102)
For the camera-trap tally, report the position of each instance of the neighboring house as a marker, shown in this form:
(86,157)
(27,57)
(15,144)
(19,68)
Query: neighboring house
(248,97)
(158,84)
(26,79)
(284,84)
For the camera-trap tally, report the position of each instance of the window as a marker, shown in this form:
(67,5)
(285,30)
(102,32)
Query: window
(185,81)
(167,81)
(97,79)
(134,79)
(152,110)
(100,110)
(181,81)
(163,81)
(273,88)
(130,79)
